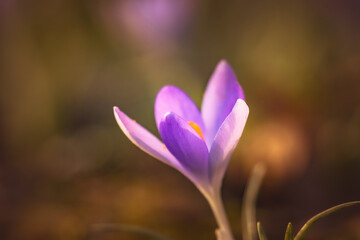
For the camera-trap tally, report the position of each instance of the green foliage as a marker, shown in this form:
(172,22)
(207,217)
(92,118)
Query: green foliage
(314,219)
(289,235)
(249,202)
(261,232)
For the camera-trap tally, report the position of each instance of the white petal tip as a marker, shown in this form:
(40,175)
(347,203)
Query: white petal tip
(240,103)
(167,115)
(223,64)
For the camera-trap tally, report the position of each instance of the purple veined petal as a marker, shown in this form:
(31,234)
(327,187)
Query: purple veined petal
(226,140)
(185,144)
(173,99)
(219,99)
(145,140)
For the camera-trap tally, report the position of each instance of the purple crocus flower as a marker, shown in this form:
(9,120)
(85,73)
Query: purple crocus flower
(198,144)
(154,23)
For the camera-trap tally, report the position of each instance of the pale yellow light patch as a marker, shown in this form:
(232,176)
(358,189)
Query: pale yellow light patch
(196,128)
(164,147)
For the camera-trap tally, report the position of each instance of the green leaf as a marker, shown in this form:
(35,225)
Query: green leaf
(249,203)
(300,235)
(261,232)
(127,228)
(289,235)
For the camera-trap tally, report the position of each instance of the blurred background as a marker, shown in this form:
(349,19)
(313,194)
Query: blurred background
(65,164)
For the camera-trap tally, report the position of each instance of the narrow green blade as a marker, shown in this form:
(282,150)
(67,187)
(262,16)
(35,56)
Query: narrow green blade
(289,235)
(248,212)
(261,232)
(314,219)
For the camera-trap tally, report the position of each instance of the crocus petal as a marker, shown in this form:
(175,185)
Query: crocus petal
(219,99)
(144,139)
(226,140)
(172,99)
(185,144)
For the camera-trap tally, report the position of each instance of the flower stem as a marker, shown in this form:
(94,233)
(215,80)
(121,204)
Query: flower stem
(216,204)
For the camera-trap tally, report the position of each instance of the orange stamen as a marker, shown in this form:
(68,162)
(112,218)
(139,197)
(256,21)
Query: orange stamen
(197,129)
